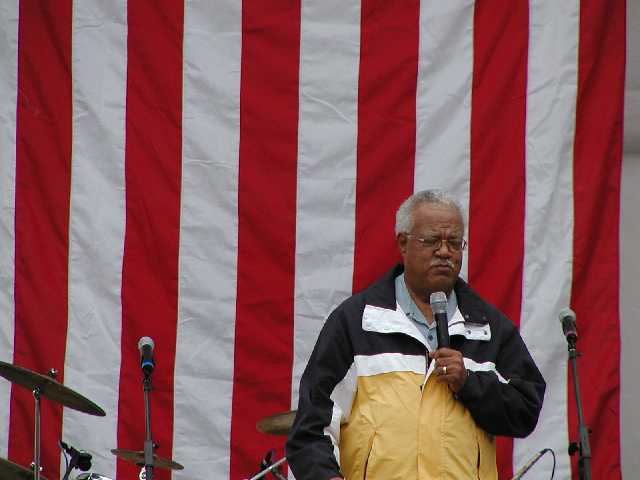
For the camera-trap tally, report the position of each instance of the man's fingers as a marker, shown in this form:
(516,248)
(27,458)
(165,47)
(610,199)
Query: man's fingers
(452,374)
(448,369)
(444,353)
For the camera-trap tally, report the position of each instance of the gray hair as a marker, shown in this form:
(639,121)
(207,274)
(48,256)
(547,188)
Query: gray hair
(404,217)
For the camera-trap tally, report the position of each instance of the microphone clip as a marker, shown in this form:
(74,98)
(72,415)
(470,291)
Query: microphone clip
(78,459)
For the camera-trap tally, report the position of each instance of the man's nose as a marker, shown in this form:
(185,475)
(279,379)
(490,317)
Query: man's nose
(444,250)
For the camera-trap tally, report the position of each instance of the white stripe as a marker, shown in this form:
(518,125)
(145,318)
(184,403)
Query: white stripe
(203,377)
(457,326)
(474,366)
(551,100)
(384,320)
(96,228)
(443,103)
(630,311)
(342,397)
(368,365)
(8,93)
(329,53)
(629,255)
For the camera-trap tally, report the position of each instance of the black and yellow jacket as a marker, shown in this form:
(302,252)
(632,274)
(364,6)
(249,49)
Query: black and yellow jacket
(369,407)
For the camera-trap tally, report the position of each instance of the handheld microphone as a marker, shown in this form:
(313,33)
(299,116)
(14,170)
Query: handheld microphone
(568,320)
(438,301)
(145,345)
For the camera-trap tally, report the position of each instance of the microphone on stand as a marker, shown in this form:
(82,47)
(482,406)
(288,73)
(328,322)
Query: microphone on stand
(267,464)
(438,301)
(568,320)
(146,345)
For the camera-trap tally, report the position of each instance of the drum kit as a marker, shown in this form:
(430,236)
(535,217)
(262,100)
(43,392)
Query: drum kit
(278,424)
(46,386)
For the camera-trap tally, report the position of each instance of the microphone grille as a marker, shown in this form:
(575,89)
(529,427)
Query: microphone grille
(438,301)
(567,314)
(144,342)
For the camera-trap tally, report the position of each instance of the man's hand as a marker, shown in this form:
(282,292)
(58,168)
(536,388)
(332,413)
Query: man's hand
(449,367)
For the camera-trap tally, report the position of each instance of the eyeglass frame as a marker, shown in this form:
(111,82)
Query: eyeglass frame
(438,245)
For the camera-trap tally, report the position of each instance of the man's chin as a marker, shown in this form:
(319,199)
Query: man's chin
(426,283)
(442,281)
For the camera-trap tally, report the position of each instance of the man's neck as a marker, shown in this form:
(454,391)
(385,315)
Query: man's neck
(424,306)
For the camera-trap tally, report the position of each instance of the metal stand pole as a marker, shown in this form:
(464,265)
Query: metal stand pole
(583,447)
(148,442)
(36,440)
(269,469)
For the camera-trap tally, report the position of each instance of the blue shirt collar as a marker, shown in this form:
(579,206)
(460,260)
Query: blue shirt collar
(411,309)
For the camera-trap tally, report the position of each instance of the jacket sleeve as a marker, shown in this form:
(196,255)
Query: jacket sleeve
(327,388)
(506,401)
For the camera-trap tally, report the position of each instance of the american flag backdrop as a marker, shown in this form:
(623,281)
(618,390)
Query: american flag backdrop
(219,174)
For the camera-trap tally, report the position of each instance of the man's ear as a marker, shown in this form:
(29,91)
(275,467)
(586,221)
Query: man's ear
(401,241)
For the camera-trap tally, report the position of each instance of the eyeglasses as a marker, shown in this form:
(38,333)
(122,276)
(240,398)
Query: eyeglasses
(435,243)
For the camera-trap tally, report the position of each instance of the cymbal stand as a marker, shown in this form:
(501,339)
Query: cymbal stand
(37,393)
(36,439)
(148,442)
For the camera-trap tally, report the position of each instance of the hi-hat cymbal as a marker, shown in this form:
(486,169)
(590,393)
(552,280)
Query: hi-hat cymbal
(278,424)
(13,471)
(138,459)
(49,388)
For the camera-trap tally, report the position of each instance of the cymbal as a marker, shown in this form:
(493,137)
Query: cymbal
(13,471)
(49,388)
(278,424)
(138,459)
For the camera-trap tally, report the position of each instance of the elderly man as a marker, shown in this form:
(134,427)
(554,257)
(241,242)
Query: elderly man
(380,401)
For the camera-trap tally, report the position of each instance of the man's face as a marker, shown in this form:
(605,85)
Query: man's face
(429,269)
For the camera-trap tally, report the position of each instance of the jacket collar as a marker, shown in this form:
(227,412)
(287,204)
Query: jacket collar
(383,315)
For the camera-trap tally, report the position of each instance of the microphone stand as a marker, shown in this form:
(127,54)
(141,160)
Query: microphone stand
(273,468)
(583,447)
(148,442)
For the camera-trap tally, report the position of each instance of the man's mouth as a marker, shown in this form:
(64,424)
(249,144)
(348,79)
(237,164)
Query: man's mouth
(443,265)
(441,269)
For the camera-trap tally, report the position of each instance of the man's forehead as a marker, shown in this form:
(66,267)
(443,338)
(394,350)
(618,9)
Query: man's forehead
(439,229)
(437,217)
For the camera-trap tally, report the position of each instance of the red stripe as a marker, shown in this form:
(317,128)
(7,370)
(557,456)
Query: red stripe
(389,41)
(267,223)
(497,183)
(43,182)
(596,180)
(152,178)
